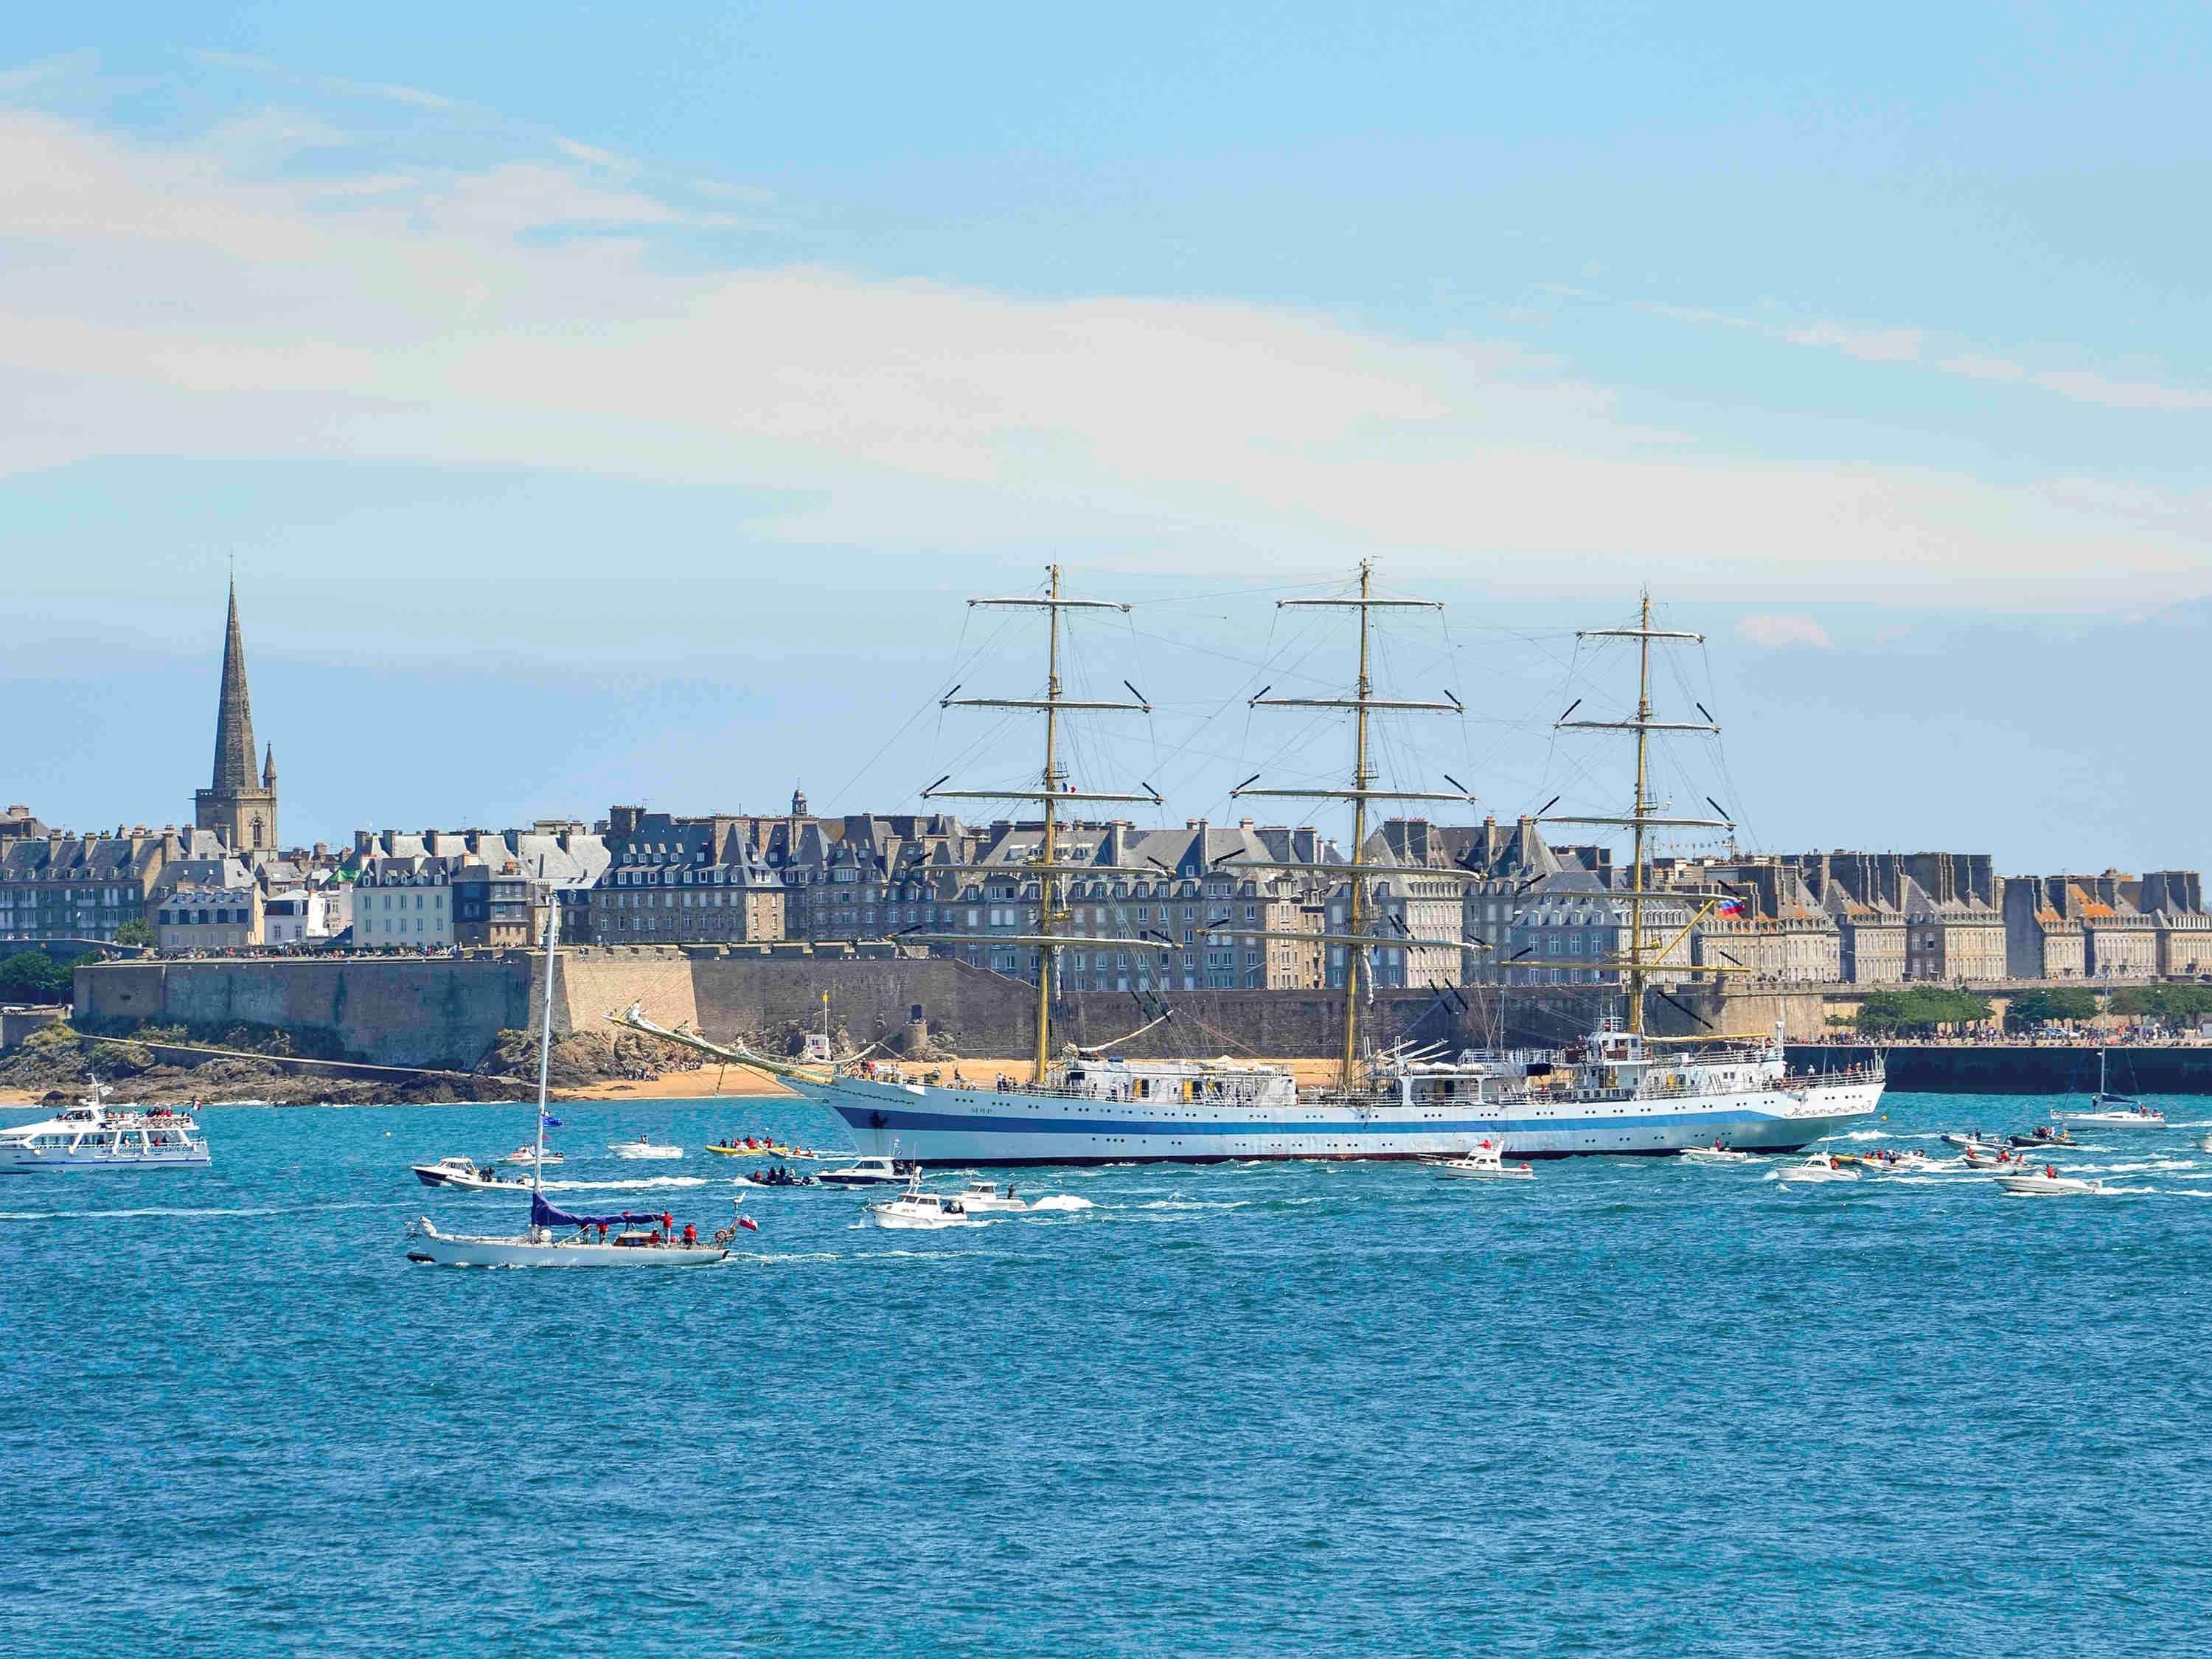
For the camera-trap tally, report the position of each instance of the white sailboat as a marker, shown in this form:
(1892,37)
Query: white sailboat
(555,1238)
(2111,1111)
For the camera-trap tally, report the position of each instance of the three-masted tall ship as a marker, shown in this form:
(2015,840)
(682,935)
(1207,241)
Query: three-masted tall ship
(1611,1093)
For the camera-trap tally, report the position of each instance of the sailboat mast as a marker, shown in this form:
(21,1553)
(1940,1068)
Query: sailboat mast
(546,1042)
(1362,780)
(1643,809)
(1046,917)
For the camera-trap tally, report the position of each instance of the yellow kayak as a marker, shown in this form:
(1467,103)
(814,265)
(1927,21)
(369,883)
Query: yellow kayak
(765,1149)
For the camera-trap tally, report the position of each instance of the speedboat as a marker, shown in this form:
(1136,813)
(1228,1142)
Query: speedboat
(1485,1161)
(2041,1135)
(94,1135)
(1719,1152)
(467,1175)
(1818,1168)
(913,1208)
(1975,1141)
(982,1197)
(775,1174)
(1902,1163)
(871,1172)
(2114,1117)
(762,1146)
(534,1157)
(2046,1183)
(643,1148)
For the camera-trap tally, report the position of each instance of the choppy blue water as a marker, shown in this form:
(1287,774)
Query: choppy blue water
(1630,1406)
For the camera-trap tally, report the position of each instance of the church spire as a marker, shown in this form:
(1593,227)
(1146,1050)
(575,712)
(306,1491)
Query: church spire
(234,719)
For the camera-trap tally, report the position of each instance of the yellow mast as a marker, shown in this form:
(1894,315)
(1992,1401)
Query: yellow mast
(1052,792)
(1355,939)
(1047,913)
(1635,967)
(1354,961)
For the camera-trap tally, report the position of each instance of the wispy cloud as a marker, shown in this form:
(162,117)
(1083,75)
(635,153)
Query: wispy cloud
(1774,633)
(1875,343)
(176,302)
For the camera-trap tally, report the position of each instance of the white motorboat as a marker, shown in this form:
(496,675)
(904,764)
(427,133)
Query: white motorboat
(555,1238)
(1975,1141)
(869,1172)
(1716,1153)
(2113,1117)
(913,1208)
(532,1156)
(982,1197)
(1485,1161)
(2046,1183)
(467,1175)
(94,1135)
(1819,1167)
(1904,1164)
(645,1148)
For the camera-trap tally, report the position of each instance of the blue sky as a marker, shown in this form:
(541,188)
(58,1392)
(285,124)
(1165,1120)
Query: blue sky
(618,402)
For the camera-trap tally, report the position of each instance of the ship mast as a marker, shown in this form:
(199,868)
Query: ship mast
(1637,966)
(1054,790)
(1355,939)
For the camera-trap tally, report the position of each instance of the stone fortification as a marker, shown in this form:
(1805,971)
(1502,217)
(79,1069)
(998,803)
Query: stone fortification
(449,1011)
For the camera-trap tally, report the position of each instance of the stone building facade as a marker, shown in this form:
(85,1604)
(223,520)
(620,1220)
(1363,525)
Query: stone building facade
(62,887)
(674,880)
(195,918)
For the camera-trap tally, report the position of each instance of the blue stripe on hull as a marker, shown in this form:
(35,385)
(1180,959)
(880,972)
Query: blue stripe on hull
(880,1118)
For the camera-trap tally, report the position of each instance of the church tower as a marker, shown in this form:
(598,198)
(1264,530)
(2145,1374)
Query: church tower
(239,809)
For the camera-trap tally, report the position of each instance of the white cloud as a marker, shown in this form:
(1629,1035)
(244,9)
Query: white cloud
(1875,345)
(163,301)
(1773,633)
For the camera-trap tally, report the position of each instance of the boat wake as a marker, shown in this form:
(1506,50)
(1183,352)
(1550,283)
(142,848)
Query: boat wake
(122,1215)
(652,1184)
(1063,1202)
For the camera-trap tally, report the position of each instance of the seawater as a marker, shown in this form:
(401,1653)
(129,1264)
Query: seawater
(1629,1406)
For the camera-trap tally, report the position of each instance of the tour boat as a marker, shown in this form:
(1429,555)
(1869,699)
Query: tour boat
(466,1175)
(1482,1161)
(983,1197)
(885,1171)
(644,1148)
(555,1238)
(533,1156)
(916,1209)
(2046,1183)
(1716,1153)
(1819,1167)
(94,1135)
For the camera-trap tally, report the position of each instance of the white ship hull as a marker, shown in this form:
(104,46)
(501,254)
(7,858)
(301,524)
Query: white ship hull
(14,1160)
(937,1125)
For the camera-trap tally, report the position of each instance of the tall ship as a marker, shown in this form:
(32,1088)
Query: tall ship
(94,1135)
(1618,1090)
